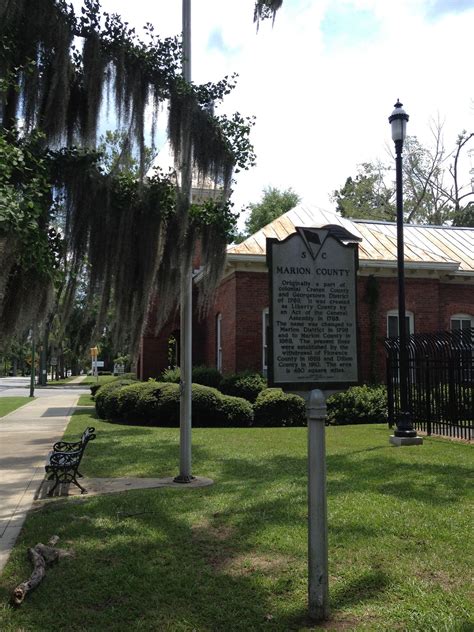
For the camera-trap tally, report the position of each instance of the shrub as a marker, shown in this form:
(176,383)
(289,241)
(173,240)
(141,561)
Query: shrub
(127,398)
(246,384)
(235,411)
(273,407)
(105,372)
(173,374)
(206,405)
(205,375)
(106,403)
(126,376)
(159,404)
(358,405)
(94,388)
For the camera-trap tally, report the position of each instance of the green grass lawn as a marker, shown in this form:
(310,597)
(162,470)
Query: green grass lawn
(233,556)
(8,404)
(92,379)
(85,400)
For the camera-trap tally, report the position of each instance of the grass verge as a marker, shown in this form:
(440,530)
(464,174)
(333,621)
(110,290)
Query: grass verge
(103,379)
(233,556)
(85,400)
(9,404)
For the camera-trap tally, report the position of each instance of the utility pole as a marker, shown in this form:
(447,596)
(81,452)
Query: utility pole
(185,407)
(32,373)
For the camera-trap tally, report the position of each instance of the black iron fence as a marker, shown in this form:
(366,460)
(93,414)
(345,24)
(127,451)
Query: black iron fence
(440,382)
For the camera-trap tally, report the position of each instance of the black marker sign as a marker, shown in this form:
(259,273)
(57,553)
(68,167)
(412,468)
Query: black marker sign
(313,309)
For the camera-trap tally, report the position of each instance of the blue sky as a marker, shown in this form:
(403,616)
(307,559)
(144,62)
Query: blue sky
(323,80)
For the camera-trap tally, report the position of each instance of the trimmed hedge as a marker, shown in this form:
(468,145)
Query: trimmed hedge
(105,397)
(157,403)
(273,407)
(126,376)
(246,384)
(358,405)
(205,375)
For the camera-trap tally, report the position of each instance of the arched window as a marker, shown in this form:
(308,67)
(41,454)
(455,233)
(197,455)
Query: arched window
(461,321)
(392,323)
(265,336)
(219,342)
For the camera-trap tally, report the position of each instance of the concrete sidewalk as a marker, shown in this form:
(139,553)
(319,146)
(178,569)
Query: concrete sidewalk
(26,437)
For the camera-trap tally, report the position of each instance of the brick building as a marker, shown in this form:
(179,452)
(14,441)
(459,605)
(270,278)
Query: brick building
(439,282)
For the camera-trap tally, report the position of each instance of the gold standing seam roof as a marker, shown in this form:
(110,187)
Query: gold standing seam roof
(444,245)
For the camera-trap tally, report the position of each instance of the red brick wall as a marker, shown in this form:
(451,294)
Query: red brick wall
(455,299)
(224,304)
(242,297)
(252,299)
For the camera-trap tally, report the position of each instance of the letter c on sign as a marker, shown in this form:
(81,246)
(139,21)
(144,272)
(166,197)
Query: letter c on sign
(324,255)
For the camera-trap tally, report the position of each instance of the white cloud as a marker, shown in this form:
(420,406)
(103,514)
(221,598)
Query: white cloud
(321,110)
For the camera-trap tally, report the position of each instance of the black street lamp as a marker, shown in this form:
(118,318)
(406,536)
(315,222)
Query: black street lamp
(398,121)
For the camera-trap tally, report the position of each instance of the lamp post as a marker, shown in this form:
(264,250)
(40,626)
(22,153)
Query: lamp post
(398,121)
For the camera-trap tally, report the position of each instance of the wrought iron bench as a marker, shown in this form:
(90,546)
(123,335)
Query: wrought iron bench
(65,458)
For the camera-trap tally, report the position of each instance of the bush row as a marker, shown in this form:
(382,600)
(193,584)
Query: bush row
(157,404)
(246,384)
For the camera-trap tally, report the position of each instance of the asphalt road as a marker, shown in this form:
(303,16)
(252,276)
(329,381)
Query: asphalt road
(20,386)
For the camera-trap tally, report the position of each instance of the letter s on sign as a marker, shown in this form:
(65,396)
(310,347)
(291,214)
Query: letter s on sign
(303,254)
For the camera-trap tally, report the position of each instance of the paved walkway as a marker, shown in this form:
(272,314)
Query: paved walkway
(26,437)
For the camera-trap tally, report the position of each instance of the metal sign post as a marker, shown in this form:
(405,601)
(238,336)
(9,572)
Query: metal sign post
(94,354)
(313,346)
(318,583)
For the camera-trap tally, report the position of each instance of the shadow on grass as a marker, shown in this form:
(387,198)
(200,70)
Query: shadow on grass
(209,559)
(364,587)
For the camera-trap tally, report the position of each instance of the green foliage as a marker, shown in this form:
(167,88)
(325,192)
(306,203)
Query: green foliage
(358,405)
(246,384)
(366,196)
(273,407)
(56,67)
(172,374)
(432,191)
(157,403)
(235,411)
(205,375)
(104,396)
(273,204)
(465,216)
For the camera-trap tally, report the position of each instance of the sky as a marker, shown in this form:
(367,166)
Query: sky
(323,80)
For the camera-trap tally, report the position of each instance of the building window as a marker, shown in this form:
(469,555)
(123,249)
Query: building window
(392,323)
(265,336)
(461,322)
(219,342)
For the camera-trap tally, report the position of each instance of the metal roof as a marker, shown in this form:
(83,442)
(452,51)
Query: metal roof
(449,247)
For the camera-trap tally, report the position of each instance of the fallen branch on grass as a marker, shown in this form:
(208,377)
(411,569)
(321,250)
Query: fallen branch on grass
(41,555)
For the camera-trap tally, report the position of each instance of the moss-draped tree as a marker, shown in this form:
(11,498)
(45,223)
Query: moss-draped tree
(62,215)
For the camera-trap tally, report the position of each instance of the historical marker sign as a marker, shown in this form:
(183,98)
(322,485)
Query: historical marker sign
(313,309)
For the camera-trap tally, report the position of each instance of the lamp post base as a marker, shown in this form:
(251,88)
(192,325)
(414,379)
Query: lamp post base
(404,427)
(400,441)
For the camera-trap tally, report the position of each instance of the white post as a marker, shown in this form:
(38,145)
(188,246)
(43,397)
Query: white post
(318,583)
(185,409)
